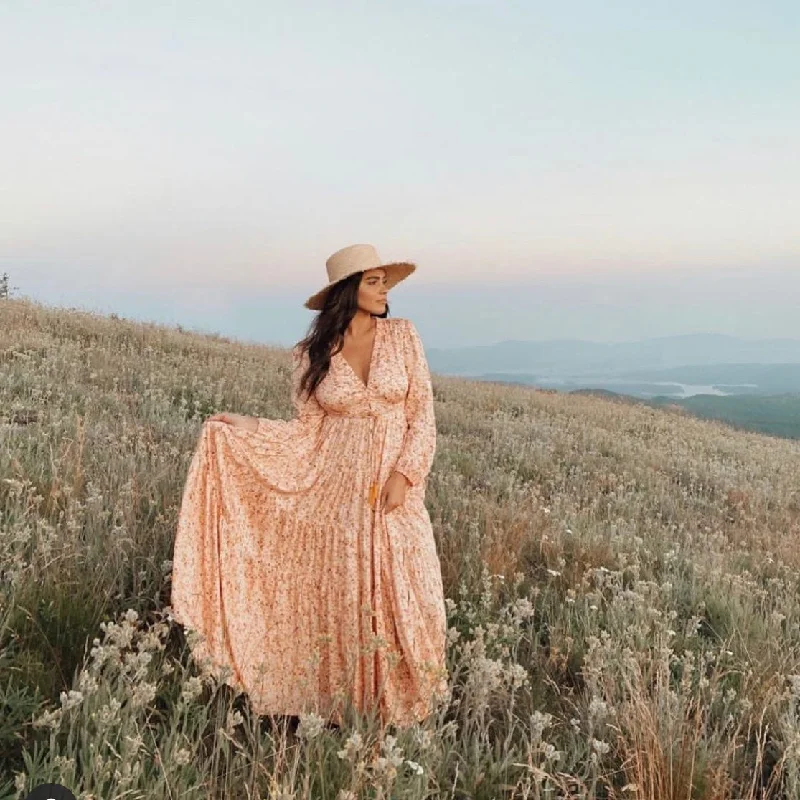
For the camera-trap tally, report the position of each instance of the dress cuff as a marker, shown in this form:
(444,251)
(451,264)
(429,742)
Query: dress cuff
(410,478)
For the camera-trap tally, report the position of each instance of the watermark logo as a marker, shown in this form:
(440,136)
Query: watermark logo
(51,791)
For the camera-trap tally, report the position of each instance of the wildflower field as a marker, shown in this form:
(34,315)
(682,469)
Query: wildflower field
(623,590)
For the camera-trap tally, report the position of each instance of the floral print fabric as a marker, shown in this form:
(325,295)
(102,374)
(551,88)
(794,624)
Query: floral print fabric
(285,563)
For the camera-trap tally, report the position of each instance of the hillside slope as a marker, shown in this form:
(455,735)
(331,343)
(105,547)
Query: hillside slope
(629,571)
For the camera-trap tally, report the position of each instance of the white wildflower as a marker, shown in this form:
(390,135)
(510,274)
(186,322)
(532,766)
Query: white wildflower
(153,638)
(109,713)
(453,635)
(539,722)
(87,683)
(598,709)
(71,699)
(192,688)
(234,719)
(423,737)
(523,609)
(143,693)
(311,725)
(600,747)
(485,677)
(550,753)
(64,764)
(352,747)
(387,764)
(518,675)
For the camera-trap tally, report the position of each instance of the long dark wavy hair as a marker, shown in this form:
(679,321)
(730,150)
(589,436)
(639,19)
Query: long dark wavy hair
(328,329)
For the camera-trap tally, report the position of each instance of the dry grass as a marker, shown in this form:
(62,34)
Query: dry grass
(621,582)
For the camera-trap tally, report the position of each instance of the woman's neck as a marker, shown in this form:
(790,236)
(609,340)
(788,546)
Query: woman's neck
(362,323)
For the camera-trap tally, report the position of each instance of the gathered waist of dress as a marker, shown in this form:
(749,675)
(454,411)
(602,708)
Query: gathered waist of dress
(379,416)
(385,410)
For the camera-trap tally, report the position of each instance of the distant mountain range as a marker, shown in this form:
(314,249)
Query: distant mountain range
(575,357)
(750,384)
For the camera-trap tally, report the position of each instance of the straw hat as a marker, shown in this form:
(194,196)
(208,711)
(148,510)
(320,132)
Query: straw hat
(357,258)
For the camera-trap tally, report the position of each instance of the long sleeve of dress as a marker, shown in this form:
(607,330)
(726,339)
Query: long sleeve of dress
(288,450)
(307,410)
(419,443)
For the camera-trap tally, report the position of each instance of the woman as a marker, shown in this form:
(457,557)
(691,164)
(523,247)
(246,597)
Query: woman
(304,552)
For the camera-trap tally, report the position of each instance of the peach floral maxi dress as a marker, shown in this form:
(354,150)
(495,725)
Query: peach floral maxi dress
(299,585)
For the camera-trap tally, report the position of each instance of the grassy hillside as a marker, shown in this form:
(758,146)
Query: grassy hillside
(622,587)
(775,415)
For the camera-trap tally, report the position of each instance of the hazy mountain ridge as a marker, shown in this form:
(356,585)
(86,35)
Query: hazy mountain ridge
(750,384)
(576,356)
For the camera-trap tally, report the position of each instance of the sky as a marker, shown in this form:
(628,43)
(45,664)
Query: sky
(604,171)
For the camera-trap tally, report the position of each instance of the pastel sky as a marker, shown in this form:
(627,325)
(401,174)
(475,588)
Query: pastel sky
(604,171)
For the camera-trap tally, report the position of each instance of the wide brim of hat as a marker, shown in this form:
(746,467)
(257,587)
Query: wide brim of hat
(396,272)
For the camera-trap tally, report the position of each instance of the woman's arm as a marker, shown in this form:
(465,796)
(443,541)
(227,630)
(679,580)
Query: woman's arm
(419,444)
(305,408)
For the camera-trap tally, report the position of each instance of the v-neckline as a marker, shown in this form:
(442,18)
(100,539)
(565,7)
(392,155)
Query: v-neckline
(371,357)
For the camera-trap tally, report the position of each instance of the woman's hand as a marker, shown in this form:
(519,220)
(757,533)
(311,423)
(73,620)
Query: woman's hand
(236,421)
(394,491)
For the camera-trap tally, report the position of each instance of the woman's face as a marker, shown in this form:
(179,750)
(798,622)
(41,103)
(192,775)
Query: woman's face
(372,291)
